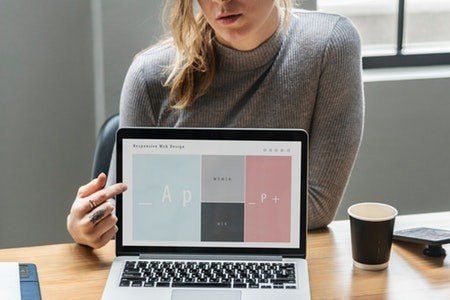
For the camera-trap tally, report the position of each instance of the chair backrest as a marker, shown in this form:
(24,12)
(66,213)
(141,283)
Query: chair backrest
(104,146)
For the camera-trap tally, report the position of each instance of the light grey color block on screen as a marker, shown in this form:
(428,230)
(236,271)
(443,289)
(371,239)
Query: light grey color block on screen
(223,178)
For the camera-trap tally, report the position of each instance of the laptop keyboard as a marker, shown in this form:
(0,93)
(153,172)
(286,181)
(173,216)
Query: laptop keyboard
(190,274)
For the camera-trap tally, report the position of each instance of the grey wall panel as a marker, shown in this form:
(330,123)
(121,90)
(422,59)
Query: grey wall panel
(46,116)
(307,4)
(405,155)
(128,27)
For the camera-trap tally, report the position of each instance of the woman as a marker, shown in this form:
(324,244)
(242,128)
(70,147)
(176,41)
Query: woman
(244,63)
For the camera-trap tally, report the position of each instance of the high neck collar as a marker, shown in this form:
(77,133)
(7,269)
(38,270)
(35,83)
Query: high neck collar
(235,60)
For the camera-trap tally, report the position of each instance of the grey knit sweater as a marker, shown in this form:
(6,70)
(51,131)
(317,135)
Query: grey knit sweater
(308,76)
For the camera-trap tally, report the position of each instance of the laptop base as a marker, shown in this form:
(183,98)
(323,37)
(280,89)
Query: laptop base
(113,290)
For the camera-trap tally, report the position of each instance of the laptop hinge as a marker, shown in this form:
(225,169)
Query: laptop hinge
(209,257)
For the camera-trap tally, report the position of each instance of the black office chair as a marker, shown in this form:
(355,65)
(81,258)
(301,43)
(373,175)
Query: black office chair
(104,146)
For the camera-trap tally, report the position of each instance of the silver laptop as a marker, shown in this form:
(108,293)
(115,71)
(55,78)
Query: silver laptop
(211,214)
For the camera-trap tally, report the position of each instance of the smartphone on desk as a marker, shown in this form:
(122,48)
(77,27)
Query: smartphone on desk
(29,282)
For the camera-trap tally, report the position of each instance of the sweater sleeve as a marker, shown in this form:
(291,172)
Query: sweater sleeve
(337,124)
(135,108)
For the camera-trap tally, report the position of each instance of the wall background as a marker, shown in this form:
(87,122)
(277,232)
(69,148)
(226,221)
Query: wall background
(404,159)
(46,116)
(62,65)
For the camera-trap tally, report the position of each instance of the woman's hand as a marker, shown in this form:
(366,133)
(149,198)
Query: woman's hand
(91,221)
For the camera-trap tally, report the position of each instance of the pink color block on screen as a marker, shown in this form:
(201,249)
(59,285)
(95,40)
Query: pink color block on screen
(267,199)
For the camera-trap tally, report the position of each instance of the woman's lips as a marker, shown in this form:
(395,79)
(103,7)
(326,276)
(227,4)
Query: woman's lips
(228,19)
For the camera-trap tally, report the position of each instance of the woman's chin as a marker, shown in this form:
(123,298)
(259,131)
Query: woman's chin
(235,37)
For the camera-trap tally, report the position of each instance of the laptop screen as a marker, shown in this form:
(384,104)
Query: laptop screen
(211,193)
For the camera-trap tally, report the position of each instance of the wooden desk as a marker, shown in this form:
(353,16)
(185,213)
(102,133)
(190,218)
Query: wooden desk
(69,271)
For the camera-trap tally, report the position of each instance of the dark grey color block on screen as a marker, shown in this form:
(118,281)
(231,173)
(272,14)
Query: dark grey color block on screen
(222,222)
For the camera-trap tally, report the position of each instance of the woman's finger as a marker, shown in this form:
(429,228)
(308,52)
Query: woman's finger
(99,213)
(104,225)
(101,196)
(93,186)
(106,237)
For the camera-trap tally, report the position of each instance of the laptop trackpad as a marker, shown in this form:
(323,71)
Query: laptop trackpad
(205,294)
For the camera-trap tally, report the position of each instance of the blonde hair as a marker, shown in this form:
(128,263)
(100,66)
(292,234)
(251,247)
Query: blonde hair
(194,67)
